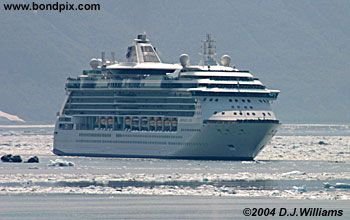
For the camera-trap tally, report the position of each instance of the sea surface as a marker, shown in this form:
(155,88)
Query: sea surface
(303,166)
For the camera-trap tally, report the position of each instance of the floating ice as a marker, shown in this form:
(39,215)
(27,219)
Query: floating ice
(61,163)
(293,173)
(337,185)
(342,185)
(299,189)
(327,185)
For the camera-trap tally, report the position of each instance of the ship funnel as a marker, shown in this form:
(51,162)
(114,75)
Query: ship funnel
(225,60)
(142,37)
(184,60)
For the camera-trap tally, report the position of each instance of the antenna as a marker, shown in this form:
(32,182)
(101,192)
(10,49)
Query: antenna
(209,52)
(113,57)
(103,58)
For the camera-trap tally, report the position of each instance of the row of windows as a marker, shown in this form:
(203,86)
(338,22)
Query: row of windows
(126,123)
(247,113)
(169,94)
(144,142)
(239,94)
(107,112)
(191,129)
(132,100)
(122,142)
(130,106)
(94,135)
(162,85)
(232,86)
(235,100)
(137,135)
(64,119)
(141,93)
(245,107)
(222,78)
(140,135)
(188,143)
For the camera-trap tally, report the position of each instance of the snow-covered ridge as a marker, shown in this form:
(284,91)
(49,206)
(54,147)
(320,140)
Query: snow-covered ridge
(10,117)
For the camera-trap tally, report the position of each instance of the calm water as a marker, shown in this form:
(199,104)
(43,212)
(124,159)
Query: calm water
(302,163)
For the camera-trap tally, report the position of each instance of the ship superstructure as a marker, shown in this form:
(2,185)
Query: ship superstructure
(146,108)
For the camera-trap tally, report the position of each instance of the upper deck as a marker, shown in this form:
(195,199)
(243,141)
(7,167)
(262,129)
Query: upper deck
(144,71)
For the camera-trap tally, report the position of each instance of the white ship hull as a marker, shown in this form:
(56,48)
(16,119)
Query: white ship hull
(224,141)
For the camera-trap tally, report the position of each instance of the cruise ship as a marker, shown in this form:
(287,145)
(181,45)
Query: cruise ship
(145,108)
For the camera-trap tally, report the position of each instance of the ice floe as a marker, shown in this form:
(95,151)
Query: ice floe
(293,173)
(61,163)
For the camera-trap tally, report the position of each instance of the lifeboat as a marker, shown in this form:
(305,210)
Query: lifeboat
(174,122)
(159,122)
(144,121)
(152,122)
(127,121)
(167,122)
(103,122)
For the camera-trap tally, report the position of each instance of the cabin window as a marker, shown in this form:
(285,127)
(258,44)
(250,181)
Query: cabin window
(65,126)
(149,55)
(131,54)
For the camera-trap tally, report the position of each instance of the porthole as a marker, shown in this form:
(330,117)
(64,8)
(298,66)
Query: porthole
(235,113)
(248,113)
(230,100)
(269,113)
(251,107)
(260,100)
(238,106)
(240,113)
(215,113)
(236,100)
(243,100)
(253,113)
(233,106)
(248,100)
(216,100)
(263,114)
(222,113)
(205,99)
(245,107)
(210,100)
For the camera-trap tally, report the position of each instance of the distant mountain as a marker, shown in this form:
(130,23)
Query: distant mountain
(6,118)
(299,47)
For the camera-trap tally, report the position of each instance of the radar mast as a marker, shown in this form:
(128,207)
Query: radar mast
(208,52)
